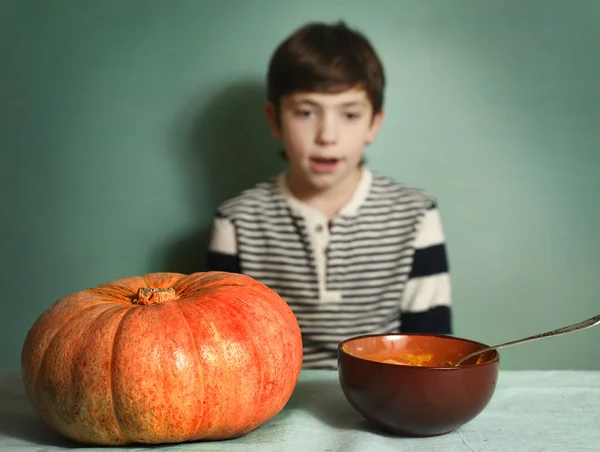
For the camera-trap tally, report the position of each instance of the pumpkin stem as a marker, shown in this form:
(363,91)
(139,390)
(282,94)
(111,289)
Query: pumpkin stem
(153,295)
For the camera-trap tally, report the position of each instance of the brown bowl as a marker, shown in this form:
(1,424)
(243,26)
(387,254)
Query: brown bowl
(425,399)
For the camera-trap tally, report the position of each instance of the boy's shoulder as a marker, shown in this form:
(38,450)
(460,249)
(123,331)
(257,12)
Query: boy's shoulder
(267,196)
(384,188)
(254,199)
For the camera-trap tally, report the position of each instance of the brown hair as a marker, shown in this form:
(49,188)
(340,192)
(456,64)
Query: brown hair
(325,58)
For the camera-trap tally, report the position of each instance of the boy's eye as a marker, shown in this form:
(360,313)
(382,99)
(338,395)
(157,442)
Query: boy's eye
(352,116)
(303,112)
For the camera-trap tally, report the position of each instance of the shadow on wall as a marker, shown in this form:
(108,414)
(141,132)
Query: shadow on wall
(224,145)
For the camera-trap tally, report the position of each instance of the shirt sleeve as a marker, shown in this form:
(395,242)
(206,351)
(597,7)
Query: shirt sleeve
(426,305)
(222,248)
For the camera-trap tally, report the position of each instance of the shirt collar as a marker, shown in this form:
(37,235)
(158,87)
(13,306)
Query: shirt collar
(351,208)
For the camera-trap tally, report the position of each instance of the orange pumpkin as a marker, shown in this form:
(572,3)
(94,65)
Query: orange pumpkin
(163,358)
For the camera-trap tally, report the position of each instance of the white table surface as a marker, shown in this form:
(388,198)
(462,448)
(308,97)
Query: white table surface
(531,411)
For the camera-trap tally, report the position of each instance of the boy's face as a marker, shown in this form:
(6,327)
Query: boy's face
(324,135)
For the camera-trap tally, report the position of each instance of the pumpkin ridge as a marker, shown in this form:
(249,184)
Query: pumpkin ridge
(110,372)
(112,293)
(198,360)
(258,404)
(233,315)
(105,317)
(42,360)
(37,382)
(208,289)
(184,287)
(242,324)
(183,284)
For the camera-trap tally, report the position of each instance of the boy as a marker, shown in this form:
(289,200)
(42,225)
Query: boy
(352,252)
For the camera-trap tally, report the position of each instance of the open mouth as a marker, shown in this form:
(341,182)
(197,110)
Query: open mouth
(325,160)
(324,164)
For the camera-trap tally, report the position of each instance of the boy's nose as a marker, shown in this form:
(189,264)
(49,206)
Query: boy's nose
(327,133)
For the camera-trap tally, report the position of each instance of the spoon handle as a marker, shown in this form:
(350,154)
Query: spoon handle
(593,321)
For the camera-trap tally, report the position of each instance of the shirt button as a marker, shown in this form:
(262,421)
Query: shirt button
(319,228)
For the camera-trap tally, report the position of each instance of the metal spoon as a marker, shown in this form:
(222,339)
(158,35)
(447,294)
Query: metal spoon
(564,330)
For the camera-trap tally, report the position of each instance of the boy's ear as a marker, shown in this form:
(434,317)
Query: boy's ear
(271,113)
(375,124)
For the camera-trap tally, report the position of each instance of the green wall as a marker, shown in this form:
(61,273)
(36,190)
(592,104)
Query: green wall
(125,123)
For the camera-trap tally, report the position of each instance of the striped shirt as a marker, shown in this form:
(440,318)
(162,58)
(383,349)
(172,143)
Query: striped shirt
(379,266)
